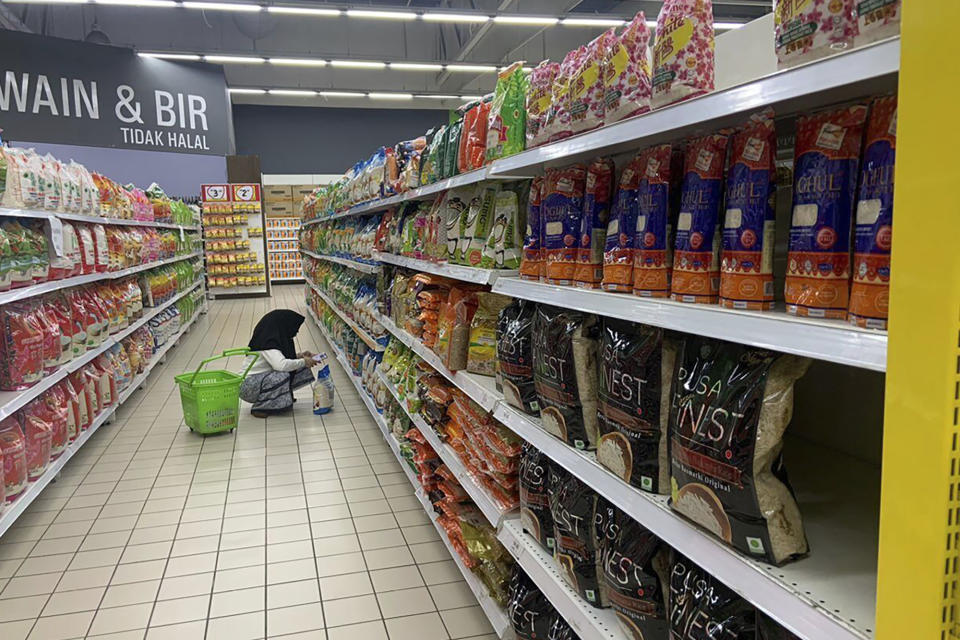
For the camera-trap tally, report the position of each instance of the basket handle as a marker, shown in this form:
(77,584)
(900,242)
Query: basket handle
(243,351)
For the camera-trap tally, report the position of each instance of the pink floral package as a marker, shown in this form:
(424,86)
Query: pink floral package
(877,19)
(627,72)
(587,86)
(21,340)
(683,62)
(14,449)
(539,98)
(805,31)
(557,125)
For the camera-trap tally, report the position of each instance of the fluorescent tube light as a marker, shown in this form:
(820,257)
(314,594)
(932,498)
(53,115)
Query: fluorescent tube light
(359,64)
(480,68)
(416,66)
(528,20)
(454,17)
(291,92)
(45,1)
(234,59)
(591,22)
(222,6)
(436,96)
(304,11)
(342,94)
(169,56)
(164,4)
(727,25)
(471,97)
(376,95)
(299,62)
(250,91)
(386,15)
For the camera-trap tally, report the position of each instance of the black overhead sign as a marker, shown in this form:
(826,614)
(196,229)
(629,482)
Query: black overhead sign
(69,92)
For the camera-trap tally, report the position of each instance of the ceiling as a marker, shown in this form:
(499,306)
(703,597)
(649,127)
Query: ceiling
(268,34)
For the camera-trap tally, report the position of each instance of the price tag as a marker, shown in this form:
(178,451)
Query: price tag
(181,235)
(56,235)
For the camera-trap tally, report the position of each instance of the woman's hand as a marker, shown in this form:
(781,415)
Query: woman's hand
(305,354)
(308,360)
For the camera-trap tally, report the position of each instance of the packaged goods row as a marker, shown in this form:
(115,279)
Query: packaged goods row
(31,181)
(231,281)
(226,245)
(214,220)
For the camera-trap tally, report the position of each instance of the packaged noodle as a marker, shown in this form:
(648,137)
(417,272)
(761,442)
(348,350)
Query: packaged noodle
(587,86)
(825,181)
(506,130)
(475,226)
(877,19)
(597,197)
(457,202)
(539,97)
(805,31)
(746,270)
(696,261)
(561,210)
(873,228)
(503,245)
(618,246)
(683,62)
(531,260)
(627,72)
(661,167)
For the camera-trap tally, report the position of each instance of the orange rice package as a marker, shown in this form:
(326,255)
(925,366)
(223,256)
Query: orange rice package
(618,248)
(597,198)
(561,212)
(661,168)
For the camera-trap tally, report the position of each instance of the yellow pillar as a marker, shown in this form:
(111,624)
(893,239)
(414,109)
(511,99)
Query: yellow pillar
(920,501)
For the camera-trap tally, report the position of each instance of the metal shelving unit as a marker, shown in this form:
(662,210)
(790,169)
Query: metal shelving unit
(455,271)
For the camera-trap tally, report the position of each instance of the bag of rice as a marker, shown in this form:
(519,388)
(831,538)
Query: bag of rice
(565,374)
(482,354)
(456,203)
(634,573)
(805,31)
(873,228)
(696,259)
(627,72)
(515,356)
(824,189)
(534,495)
(587,88)
(767,629)
(683,51)
(506,131)
(703,608)
(876,20)
(746,269)
(529,610)
(504,243)
(561,211)
(731,406)
(539,97)
(475,226)
(618,246)
(598,194)
(14,449)
(557,123)
(661,167)
(636,369)
(573,506)
(531,262)
(560,629)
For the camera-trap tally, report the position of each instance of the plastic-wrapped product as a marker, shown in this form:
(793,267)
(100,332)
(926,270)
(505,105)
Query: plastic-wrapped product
(456,203)
(746,269)
(14,448)
(531,260)
(21,338)
(529,610)
(636,370)
(504,242)
(473,140)
(506,132)
(873,227)
(731,406)
(539,98)
(587,85)
(683,62)
(825,175)
(53,408)
(877,19)
(557,123)
(560,629)
(627,72)
(661,167)
(634,572)
(805,31)
(38,435)
(598,194)
(50,330)
(534,495)
(101,248)
(696,260)
(561,213)
(515,355)
(482,353)
(475,226)
(698,601)
(565,374)
(573,506)
(451,149)
(618,244)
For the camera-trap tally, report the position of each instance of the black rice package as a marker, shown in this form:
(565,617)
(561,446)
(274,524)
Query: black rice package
(636,367)
(515,356)
(703,608)
(565,373)
(529,610)
(635,573)
(560,630)
(731,406)
(573,506)
(534,495)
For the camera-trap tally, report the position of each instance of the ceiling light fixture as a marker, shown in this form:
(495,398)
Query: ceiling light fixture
(471,97)
(291,92)
(160,4)
(527,20)
(479,68)
(251,91)
(168,56)
(385,15)
(304,11)
(45,1)
(222,6)
(359,64)
(342,94)
(436,96)
(591,22)
(299,62)
(377,95)
(233,59)
(454,17)
(416,66)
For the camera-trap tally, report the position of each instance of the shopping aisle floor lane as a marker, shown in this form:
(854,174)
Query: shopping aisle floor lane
(295,527)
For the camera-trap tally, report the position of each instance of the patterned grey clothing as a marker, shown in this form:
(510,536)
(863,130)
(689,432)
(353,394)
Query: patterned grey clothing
(273,391)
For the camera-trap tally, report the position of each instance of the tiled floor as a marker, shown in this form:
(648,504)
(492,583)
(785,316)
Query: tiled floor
(296,527)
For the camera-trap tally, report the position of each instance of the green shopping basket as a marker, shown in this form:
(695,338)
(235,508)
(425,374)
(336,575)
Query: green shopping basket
(211,399)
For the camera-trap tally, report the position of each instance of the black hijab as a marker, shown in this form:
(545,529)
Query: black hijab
(276,331)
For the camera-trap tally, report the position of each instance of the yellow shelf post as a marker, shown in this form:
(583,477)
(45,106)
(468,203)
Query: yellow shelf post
(918,593)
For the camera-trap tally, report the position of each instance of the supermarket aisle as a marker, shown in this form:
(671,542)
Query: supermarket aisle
(295,527)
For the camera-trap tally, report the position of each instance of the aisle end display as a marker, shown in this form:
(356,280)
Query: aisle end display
(233,238)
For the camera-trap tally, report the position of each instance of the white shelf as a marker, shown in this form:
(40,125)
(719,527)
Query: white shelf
(53,285)
(829,594)
(35,488)
(254,288)
(369,340)
(283,250)
(482,389)
(363,267)
(590,623)
(490,509)
(865,71)
(831,340)
(455,271)
(300,279)
(79,217)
